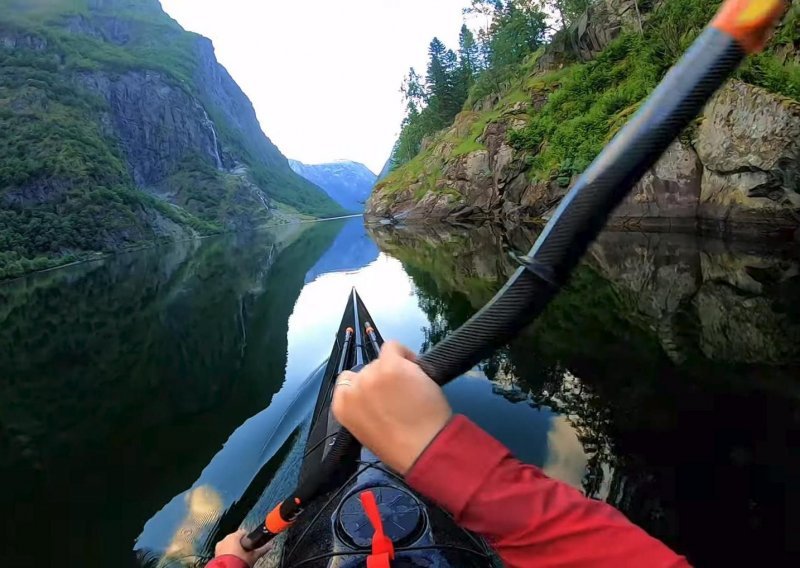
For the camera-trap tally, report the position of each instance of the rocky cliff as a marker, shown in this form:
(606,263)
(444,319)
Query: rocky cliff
(121,128)
(348,183)
(515,154)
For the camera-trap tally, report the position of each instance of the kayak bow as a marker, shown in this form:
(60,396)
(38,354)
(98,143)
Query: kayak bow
(338,527)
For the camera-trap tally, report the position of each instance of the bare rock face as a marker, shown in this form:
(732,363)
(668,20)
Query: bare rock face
(749,143)
(600,25)
(157,123)
(746,128)
(668,195)
(13,39)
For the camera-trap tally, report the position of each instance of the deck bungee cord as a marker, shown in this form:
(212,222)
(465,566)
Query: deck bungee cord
(741,27)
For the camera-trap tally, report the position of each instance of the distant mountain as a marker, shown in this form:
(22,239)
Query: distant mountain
(347,183)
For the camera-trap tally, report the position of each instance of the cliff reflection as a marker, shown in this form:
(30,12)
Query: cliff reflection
(673,359)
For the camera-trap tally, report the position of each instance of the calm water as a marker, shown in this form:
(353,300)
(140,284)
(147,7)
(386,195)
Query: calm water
(151,402)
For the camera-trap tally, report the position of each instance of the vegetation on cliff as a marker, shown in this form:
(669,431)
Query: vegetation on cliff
(559,106)
(517,28)
(591,102)
(73,145)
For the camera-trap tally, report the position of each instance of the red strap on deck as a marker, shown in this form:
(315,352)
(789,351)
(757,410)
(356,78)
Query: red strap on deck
(382,546)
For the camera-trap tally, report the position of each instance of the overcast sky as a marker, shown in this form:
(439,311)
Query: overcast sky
(324,75)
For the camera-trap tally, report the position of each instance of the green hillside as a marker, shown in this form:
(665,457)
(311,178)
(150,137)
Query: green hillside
(76,178)
(558,105)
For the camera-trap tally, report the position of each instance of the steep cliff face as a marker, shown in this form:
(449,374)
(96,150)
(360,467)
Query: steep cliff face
(116,118)
(738,174)
(347,183)
(515,154)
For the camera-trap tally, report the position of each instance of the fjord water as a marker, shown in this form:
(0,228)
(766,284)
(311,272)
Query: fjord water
(153,401)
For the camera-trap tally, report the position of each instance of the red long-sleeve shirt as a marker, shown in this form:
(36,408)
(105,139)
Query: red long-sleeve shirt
(529,519)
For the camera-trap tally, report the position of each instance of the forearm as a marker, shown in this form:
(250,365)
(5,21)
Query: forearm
(524,514)
(227,561)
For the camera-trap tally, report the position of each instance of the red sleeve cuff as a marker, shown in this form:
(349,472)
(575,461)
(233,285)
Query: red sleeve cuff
(456,464)
(227,561)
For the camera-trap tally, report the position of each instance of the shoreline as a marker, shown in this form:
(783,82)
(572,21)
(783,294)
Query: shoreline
(96,257)
(701,228)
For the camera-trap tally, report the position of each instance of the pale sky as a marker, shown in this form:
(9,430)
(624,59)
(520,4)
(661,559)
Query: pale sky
(324,75)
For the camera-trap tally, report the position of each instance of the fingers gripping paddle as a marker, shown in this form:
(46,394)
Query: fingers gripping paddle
(741,27)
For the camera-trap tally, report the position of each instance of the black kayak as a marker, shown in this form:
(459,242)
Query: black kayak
(333,529)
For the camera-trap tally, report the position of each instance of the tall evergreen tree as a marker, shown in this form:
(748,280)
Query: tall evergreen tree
(468,52)
(513,29)
(413,90)
(436,78)
(518,29)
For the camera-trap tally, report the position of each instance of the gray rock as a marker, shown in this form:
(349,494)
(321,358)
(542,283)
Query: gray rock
(15,39)
(158,124)
(746,128)
(749,143)
(670,191)
(736,327)
(34,193)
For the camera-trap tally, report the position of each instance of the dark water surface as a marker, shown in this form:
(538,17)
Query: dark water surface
(152,402)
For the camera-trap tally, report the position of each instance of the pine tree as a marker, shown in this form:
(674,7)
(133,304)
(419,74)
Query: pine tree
(436,79)
(468,52)
(413,90)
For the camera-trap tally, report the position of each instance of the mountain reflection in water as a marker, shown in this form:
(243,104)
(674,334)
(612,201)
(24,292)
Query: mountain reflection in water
(675,360)
(157,400)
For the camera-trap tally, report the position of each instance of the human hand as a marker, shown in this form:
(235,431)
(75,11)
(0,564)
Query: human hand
(231,546)
(392,407)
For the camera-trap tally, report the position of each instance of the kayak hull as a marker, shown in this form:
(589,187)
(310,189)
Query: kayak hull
(333,530)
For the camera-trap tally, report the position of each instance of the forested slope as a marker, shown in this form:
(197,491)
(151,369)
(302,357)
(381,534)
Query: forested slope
(120,129)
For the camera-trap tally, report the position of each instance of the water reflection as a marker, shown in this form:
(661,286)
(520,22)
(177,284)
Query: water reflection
(675,361)
(353,249)
(120,380)
(160,399)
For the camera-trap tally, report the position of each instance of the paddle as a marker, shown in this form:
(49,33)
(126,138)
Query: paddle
(740,27)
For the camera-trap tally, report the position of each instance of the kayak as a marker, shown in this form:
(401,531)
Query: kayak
(334,528)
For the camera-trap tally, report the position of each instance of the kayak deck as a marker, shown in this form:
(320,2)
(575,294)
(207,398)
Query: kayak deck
(333,529)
